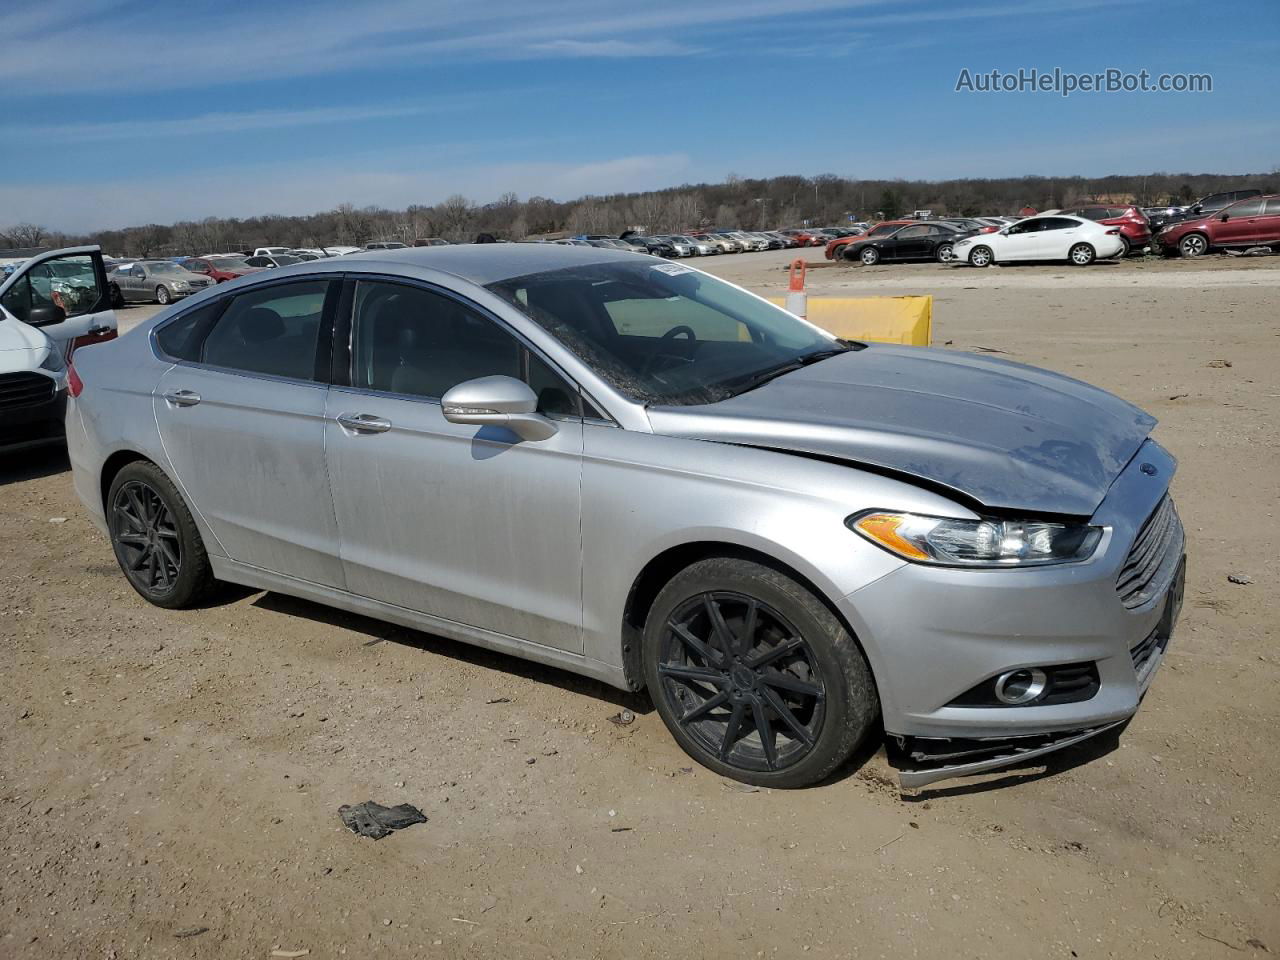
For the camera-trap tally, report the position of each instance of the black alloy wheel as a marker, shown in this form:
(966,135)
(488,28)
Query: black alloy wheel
(744,679)
(146,538)
(754,675)
(155,538)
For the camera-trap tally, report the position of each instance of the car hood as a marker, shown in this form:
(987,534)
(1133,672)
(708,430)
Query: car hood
(22,347)
(1004,435)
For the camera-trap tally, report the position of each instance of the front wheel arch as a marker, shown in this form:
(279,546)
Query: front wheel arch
(661,569)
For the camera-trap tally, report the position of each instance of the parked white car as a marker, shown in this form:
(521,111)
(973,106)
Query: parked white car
(272,251)
(33,384)
(1059,237)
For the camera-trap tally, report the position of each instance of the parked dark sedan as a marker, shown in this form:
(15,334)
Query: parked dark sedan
(916,241)
(654,245)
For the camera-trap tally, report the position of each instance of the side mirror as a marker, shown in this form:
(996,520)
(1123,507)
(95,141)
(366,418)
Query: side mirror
(498,402)
(1225,217)
(46,315)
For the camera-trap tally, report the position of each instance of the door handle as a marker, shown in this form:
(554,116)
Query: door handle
(363,422)
(182,398)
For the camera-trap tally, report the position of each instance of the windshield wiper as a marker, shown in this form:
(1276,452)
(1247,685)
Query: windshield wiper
(753,380)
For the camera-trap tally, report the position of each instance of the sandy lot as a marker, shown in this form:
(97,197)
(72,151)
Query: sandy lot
(163,773)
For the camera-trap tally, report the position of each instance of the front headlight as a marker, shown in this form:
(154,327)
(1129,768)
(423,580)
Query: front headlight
(977,543)
(54,362)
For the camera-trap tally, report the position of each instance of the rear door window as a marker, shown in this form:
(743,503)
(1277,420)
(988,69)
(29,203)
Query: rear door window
(273,331)
(182,338)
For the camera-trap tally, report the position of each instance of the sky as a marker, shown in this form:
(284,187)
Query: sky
(119,112)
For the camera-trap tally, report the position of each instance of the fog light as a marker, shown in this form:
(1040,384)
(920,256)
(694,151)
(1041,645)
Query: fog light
(1020,686)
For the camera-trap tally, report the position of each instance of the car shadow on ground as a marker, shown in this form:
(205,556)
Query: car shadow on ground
(380,631)
(33,462)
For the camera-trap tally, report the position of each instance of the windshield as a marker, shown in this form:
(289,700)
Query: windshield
(883,229)
(663,333)
(283,259)
(229,263)
(169,268)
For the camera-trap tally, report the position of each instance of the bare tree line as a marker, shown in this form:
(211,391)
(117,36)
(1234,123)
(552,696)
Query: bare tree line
(738,202)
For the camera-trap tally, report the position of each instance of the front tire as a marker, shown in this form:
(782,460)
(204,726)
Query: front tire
(155,539)
(1193,245)
(754,676)
(1082,254)
(162,295)
(981,256)
(869,256)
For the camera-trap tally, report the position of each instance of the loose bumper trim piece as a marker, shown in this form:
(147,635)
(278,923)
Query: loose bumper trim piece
(995,754)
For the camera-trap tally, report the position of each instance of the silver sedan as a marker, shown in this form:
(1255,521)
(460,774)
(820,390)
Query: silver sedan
(632,470)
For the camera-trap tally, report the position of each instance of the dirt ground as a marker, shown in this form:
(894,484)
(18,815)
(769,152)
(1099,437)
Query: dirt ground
(169,781)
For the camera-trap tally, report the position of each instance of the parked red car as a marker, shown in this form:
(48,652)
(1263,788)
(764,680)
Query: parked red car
(1135,228)
(219,269)
(1246,223)
(888,226)
(807,238)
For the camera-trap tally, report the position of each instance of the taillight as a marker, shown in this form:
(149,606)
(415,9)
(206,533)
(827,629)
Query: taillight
(75,386)
(1113,233)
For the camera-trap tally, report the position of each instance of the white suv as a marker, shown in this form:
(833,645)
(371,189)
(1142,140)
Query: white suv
(51,304)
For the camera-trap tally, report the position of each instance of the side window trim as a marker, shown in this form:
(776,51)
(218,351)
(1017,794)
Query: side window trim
(344,340)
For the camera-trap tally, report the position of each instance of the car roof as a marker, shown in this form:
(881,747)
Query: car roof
(485,263)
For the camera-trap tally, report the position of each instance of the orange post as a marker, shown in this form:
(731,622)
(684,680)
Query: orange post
(797,299)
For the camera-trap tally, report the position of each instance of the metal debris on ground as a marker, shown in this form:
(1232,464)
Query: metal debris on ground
(190,932)
(623,719)
(1241,578)
(375,821)
(499,700)
(1218,363)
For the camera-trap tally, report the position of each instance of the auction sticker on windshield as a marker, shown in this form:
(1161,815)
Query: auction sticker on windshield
(671,269)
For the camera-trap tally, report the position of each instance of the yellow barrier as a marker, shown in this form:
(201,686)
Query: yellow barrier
(907,320)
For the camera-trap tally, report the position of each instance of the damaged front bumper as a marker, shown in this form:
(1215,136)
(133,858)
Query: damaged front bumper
(922,761)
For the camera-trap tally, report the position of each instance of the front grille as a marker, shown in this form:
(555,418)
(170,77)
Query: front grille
(24,390)
(1154,557)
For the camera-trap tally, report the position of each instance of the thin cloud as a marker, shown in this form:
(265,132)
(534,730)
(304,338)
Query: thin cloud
(214,123)
(614,48)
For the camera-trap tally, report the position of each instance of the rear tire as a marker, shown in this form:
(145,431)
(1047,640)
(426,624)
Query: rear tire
(117,298)
(792,675)
(981,256)
(162,295)
(1126,247)
(155,539)
(1082,254)
(944,253)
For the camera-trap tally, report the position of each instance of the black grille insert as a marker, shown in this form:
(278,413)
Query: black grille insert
(25,390)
